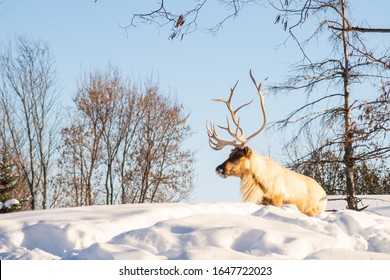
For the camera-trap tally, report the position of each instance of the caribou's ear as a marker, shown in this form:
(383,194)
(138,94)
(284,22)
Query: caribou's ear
(247,151)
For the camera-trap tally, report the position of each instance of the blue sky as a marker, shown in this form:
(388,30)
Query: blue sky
(84,35)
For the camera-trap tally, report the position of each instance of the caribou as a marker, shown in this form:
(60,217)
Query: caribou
(263,180)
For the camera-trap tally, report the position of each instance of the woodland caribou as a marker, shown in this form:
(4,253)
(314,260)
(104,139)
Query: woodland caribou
(263,181)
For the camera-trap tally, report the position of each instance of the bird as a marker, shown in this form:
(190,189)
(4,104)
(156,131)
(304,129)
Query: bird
(180,21)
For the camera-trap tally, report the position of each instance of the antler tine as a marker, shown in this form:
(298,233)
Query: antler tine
(261,95)
(215,142)
(228,104)
(239,134)
(242,106)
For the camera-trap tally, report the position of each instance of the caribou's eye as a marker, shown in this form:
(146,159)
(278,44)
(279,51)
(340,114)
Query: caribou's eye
(236,156)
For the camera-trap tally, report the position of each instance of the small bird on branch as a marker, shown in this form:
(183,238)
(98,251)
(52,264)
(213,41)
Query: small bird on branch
(180,21)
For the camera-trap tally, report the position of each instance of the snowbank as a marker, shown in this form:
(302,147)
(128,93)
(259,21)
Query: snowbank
(194,231)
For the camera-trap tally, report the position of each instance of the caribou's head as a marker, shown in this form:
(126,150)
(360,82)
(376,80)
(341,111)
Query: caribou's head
(239,158)
(237,163)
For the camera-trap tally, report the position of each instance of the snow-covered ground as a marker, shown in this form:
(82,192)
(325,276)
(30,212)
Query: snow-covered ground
(197,231)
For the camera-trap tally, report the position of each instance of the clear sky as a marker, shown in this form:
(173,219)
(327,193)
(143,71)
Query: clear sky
(84,35)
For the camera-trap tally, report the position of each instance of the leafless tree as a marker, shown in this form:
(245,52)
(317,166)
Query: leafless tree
(125,144)
(326,167)
(103,94)
(75,174)
(350,63)
(164,168)
(29,91)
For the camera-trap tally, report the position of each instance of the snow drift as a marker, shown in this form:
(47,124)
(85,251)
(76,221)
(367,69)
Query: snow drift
(194,231)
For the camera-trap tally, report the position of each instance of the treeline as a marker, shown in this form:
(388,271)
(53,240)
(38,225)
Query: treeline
(372,177)
(120,142)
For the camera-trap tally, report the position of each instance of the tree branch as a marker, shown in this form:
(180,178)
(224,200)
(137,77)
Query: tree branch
(361,29)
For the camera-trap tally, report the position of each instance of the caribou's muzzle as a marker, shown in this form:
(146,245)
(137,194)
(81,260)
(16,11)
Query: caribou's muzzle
(220,171)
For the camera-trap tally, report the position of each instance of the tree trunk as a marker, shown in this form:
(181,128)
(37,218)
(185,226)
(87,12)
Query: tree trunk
(348,132)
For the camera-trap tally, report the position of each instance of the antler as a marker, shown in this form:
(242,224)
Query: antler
(216,142)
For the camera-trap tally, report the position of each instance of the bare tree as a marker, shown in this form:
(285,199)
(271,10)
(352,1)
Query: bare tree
(84,138)
(125,144)
(28,93)
(104,94)
(129,125)
(350,62)
(164,169)
(75,175)
(327,169)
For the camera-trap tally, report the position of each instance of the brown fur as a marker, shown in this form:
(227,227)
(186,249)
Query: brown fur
(264,181)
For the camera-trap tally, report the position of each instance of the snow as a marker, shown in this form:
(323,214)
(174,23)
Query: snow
(200,231)
(11,202)
(9,205)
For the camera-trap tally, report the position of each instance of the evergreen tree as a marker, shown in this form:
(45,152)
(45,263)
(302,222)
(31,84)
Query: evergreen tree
(8,182)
